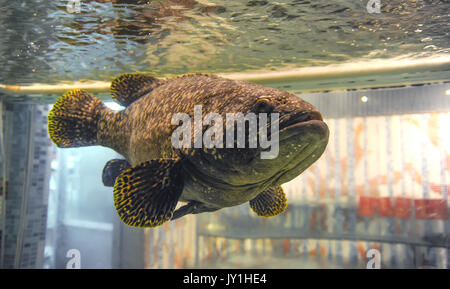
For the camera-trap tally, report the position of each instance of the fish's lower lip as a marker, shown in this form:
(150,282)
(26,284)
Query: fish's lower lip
(314,127)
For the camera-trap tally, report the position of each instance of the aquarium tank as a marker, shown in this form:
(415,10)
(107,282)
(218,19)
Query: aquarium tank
(378,71)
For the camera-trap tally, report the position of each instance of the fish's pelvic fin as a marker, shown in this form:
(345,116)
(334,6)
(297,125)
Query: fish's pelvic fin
(270,202)
(112,170)
(146,195)
(189,208)
(73,119)
(128,87)
(192,208)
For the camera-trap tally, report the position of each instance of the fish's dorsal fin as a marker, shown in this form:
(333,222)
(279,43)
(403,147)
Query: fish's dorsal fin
(128,87)
(112,170)
(270,202)
(146,195)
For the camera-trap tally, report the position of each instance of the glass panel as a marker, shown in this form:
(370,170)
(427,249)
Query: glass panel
(379,75)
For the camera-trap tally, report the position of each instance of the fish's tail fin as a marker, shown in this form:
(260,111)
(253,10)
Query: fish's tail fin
(73,120)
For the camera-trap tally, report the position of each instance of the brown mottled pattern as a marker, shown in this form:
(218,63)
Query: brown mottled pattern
(149,118)
(218,178)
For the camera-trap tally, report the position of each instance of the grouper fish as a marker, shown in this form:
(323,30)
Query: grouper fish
(155,175)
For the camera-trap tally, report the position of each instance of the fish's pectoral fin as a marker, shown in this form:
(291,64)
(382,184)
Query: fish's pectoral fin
(146,195)
(112,170)
(270,202)
(128,87)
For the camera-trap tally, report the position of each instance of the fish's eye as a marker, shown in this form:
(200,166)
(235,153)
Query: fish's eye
(263,105)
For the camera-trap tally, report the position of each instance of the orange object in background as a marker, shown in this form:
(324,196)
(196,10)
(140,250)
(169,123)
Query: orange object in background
(369,206)
(402,208)
(286,246)
(366,206)
(420,209)
(431,209)
(384,207)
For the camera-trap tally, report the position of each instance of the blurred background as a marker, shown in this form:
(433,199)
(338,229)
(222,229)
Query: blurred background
(381,81)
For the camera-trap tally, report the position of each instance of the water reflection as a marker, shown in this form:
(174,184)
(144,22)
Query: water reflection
(44,42)
(24,41)
(140,21)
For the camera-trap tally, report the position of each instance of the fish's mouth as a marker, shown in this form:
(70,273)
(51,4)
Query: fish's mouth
(303,138)
(301,123)
(299,117)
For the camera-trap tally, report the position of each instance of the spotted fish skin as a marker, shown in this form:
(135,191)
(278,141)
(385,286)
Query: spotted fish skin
(211,178)
(149,118)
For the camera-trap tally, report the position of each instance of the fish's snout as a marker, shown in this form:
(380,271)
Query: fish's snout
(314,115)
(300,117)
